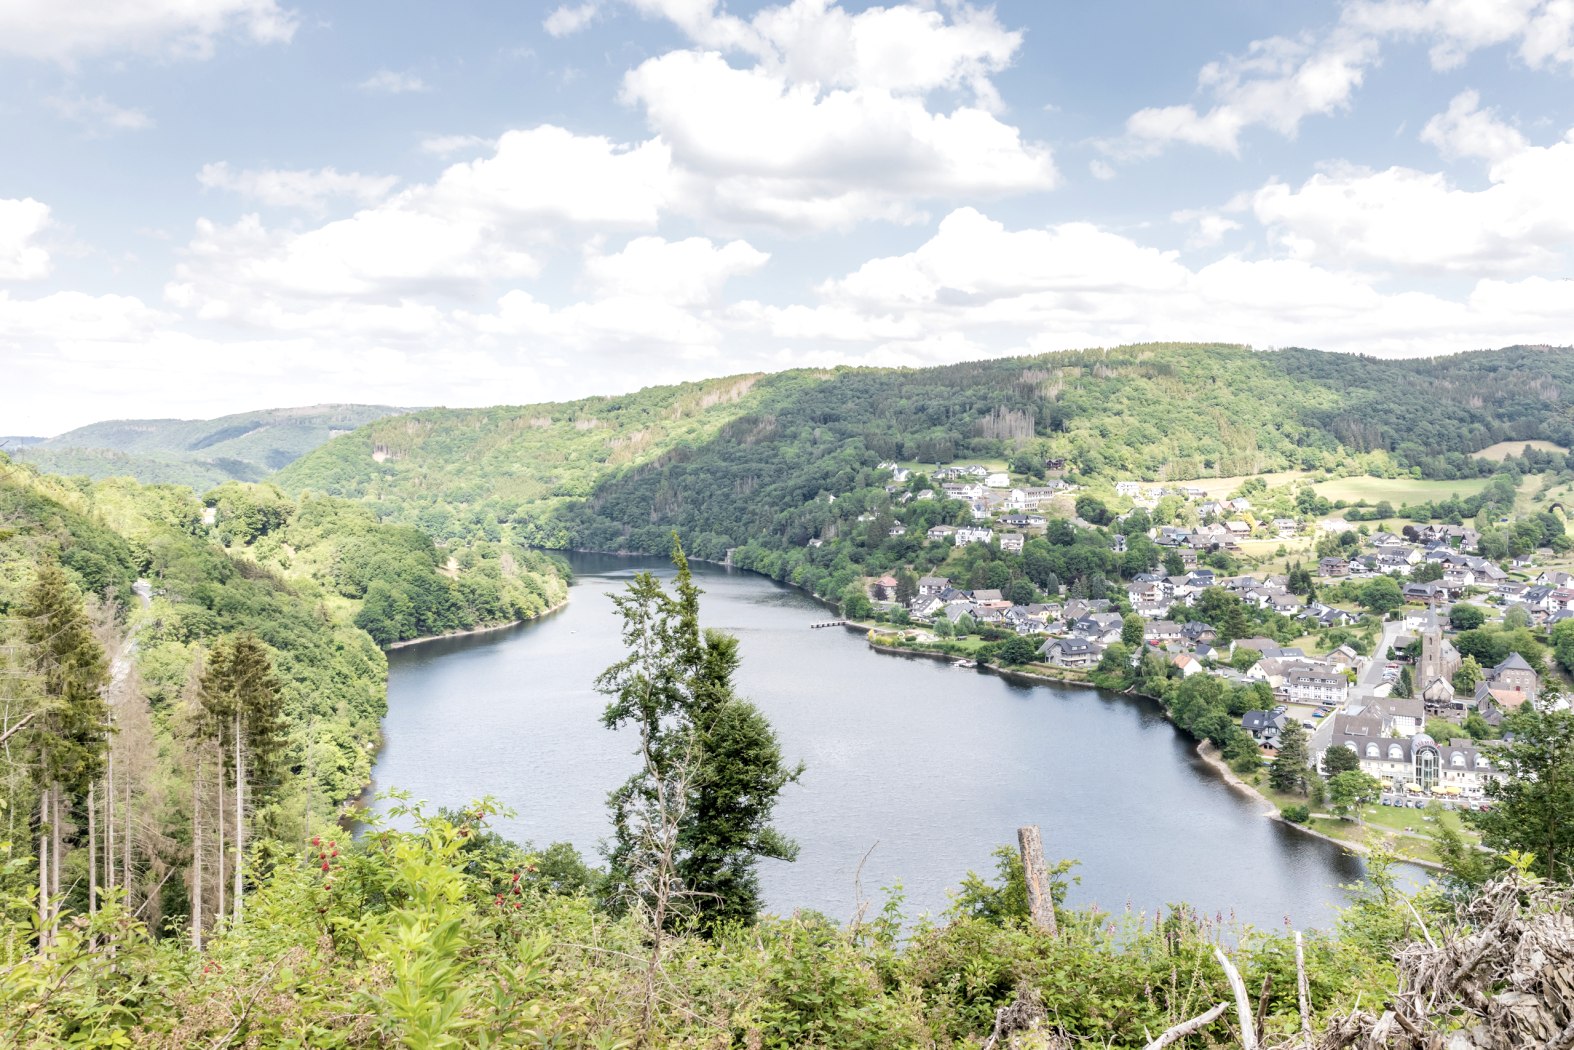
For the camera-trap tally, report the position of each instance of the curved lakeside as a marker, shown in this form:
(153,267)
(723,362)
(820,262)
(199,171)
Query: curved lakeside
(931,767)
(490,629)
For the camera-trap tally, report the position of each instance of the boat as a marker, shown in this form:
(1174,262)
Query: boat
(965,663)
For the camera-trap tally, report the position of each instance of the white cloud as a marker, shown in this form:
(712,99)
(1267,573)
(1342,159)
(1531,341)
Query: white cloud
(1542,30)
(448,145)
(1419,222)
(976,288)
(1467,130)
(1209,228)
(65,32)
(99,115)
(1101,169)
(388,82)
(766,150)
(20,223)
(831,124)
(309,190)
(690,272)
(478,225)
(568,20)
(1280,82)
(550,173)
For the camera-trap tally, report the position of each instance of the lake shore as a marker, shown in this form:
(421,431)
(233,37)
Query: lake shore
(408,642)
(1204,750)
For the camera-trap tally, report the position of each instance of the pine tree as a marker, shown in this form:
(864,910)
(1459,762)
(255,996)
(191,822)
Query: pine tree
(71,733)
(1289,769)
(241,702)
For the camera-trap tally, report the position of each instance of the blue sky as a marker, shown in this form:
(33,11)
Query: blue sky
(212,207)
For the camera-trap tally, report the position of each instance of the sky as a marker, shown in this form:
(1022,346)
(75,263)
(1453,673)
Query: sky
(210,206)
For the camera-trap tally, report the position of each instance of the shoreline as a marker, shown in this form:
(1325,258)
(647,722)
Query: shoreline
(408,642)
(1204,750)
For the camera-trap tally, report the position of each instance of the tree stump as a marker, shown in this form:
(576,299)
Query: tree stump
(1040,902)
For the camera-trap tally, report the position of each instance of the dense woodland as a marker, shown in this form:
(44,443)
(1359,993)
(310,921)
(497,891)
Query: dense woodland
(732,462)
(305,592)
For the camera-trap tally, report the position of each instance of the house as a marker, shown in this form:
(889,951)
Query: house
(941,532)
(897,530)
(1286,527)
(998,480)
(931,585)
(966,535)
(1264,726)
(1127,488)
(1162,632)
(1333,568)
(1012,542)
(1187,665)
(1071,652)
(1320,686)
(883,588)
(1403,715)
(1515,674)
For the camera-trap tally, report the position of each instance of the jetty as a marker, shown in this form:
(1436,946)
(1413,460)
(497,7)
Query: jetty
(829,623)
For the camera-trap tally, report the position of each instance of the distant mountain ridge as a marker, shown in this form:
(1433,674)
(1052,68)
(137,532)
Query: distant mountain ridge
(200,453)
(752,459)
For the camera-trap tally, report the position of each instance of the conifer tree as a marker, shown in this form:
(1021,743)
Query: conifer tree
(1288,772)
(690,827)
(240,698)
(70,734)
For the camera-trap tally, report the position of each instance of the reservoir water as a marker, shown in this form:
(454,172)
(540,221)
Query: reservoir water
(922,767)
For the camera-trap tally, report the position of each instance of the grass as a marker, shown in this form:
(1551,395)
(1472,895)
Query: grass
(1503,449)
(1396,490)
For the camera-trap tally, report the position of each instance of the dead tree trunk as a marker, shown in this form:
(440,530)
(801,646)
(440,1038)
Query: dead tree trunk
(43,868)
(196,862)
(218,812)
(1040,900)
(109,823)
(92,849)
(240,819)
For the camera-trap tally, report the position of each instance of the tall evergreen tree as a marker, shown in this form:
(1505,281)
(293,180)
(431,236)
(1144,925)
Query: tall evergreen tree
(712,768)
(70,734)
(240,697)
(1289,769)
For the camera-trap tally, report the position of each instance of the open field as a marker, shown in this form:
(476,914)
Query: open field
(1503,449)
(1396,490)
(1219,487)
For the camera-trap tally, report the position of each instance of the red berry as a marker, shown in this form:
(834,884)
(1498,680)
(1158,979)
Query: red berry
(516,876)
(324,865)
(316,841)
(516,904)
(335,853)
(330,844)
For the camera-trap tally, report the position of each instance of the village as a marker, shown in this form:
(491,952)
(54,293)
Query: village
(1394,673)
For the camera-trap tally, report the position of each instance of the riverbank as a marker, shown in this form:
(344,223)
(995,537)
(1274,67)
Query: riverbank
(1042,674)
(408,642)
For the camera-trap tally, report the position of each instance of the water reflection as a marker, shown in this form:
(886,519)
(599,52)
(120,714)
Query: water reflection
(929,766)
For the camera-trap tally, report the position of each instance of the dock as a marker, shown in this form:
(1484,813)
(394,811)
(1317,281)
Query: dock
(828,623)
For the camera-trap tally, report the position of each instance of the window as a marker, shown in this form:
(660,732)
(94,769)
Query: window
(1371,750)
(1458,761)
(1395,752)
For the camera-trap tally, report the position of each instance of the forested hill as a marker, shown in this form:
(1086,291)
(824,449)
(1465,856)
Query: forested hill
(199,453)
(747,460)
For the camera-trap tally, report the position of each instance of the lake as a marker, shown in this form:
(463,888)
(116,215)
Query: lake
(919,766)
